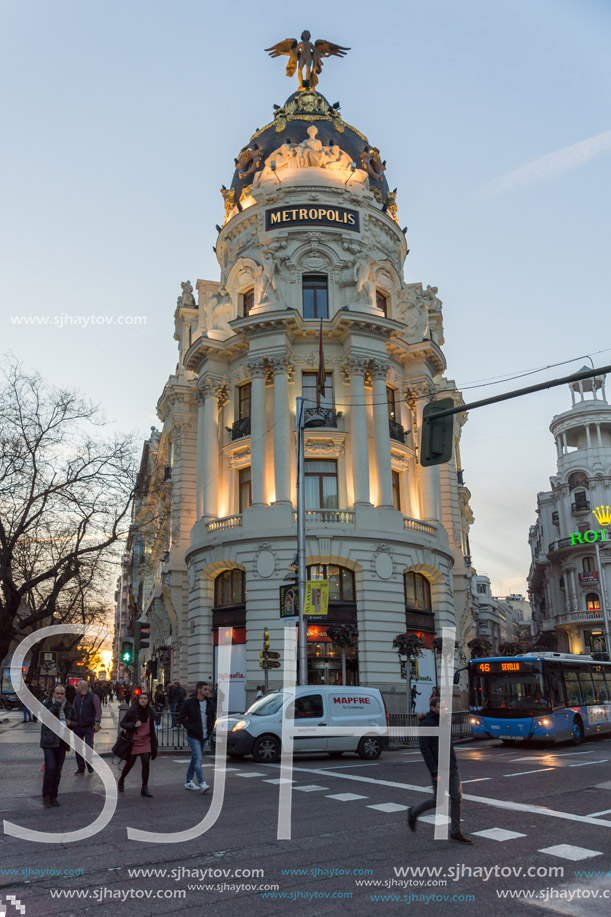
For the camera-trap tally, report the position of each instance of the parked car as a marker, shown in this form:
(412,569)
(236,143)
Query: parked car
(258,732)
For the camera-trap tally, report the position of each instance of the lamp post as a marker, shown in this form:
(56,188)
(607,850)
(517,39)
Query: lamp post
(317,420)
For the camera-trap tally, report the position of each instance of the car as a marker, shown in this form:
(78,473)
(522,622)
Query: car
(258,731)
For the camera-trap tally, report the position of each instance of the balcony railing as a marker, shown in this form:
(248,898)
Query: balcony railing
(329,414)
(416,525)
(227,522)
(559,545)
(582,507)
(328,516)
(240,428)
(396,431)
(576,617)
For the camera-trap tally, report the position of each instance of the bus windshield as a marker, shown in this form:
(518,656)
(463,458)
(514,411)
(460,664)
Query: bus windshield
(511,695)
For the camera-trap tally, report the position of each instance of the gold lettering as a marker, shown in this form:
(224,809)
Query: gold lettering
(331,215)
(285,216)
(303,214)
(293,212)
(313,214)
(351,219)
(322,213)
(274,217)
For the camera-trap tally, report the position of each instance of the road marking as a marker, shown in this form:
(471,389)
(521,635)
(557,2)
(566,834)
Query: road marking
(569,852)
(537,771)
(389,807)
(435,819)
(476,780)
(583,764)
(483,800)
(594,814)
(310,789)
(498,834)
(337,767)
(250,774)
(346,797)
(280,780)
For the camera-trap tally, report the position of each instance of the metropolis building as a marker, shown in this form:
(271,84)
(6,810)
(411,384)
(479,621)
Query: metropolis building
(571,562)
(310,241)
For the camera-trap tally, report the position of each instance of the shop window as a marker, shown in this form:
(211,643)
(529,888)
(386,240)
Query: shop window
(417,592)
(341,581)
(320,484)
(592,602)
(244,488)
(230,588)
(315,296)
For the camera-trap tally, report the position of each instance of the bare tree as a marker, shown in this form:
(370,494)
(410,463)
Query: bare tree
(65,494)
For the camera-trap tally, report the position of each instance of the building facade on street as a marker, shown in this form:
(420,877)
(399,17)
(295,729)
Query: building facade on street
(310,301)
(571,563)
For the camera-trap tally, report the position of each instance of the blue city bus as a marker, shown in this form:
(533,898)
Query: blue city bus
(540,697)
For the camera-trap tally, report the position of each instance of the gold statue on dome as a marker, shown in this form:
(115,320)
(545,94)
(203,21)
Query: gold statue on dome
(305,54)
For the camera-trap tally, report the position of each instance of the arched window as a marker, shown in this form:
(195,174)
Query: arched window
(578,479)
(592,602)
(341,581)
(417,592)
(230,588)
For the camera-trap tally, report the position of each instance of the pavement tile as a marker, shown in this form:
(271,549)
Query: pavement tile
(569,852)
(346,797)
(498,834)
(388,807)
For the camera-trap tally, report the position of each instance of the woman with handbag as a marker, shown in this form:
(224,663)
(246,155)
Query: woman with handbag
(139,724)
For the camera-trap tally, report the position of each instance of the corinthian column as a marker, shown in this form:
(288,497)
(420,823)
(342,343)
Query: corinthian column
(199,486)
(282,368)
(430,484)
(378,371)
(355,367)
(257,430)
(212,390)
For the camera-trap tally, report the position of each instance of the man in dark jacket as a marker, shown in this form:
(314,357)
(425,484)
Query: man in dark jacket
(429,746)
(54,747)
(87,720)
(197,715)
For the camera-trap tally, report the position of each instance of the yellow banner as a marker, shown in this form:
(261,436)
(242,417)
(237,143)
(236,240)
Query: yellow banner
(316,597)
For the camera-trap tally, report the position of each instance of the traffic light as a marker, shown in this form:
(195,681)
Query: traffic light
(127,652)
(266,639)
(145,634)
(137,692)
(437,433)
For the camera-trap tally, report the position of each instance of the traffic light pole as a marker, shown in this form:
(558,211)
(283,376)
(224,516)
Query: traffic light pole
(136,661)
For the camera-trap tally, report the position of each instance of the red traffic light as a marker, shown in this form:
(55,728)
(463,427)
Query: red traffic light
(137,692)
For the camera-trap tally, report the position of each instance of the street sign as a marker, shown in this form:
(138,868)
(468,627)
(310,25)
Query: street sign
(269,654)
(269,664)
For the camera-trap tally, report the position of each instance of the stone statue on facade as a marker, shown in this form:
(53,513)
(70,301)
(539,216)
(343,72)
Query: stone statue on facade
(411,310)
(218,311)
(187,299)
(268,274)
(363,280)
(305,55)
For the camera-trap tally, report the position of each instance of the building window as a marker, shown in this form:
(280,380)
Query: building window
(390,398)
(382,302)
(592,602)
(341,581)
(230,588)
(396,490)
(588,564)
(248,301)
(309,392)
(481,588)
(244,488)
(320,484)
(581,500)
(315,296)
(244,401)
(417,592)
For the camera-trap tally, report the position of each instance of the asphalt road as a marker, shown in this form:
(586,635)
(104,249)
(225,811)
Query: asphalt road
(547,810)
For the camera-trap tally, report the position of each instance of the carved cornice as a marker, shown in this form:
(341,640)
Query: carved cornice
(257,368)
(379,369)
(212,387)
(281,363)
(355,364)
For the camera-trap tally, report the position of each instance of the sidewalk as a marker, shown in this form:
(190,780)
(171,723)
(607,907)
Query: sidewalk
(19,740)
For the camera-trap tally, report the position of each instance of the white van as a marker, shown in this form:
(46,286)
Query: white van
(258,732)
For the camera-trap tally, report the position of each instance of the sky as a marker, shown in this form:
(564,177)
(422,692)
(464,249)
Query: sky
(122,120)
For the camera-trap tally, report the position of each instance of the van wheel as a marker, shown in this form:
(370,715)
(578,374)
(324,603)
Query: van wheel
(335,754)
(369,748)
(266,750)
(577,732)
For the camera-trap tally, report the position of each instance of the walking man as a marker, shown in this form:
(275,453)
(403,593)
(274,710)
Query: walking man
(87,719)
(429,746)
(197,715)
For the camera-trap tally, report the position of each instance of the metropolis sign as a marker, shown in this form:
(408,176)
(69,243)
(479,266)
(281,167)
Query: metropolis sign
(309,215)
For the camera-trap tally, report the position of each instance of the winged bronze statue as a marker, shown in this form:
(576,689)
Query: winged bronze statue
(304,54)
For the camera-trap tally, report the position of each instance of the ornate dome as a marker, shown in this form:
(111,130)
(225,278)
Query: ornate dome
(290,126)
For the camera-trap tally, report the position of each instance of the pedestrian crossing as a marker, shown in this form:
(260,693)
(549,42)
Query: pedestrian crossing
(497,834)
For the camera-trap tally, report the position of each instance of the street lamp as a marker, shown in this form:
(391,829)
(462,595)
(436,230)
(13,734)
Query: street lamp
(316,420)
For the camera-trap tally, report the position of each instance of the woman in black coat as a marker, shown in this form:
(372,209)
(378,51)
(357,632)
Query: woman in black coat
(139,722)
(54,747)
